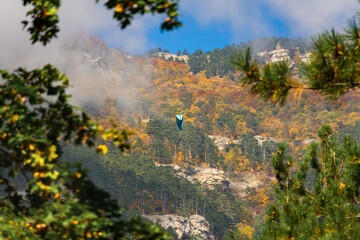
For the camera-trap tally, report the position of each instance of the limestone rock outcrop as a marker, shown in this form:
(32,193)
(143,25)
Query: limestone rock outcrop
(262,139)
(185,58)
(221,142)
(276,55)
(208,177)
(194,225)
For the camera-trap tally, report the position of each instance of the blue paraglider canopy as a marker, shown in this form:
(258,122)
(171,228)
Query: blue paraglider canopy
(179,121)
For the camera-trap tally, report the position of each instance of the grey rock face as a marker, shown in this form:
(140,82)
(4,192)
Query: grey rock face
(195,225)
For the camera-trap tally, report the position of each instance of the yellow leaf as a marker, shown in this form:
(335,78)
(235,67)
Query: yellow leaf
(40,225)
(53,175)
(15,117)
(102,148)
(252,110)
(118,8)
(52,154)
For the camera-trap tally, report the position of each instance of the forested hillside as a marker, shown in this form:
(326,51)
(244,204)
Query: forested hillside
(144,95)
(176,145)
(217,61)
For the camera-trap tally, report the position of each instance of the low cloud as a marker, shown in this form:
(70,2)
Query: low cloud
(87,74)
(83,16)
(77,18)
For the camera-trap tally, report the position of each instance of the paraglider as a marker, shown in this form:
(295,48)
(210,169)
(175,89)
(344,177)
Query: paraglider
(179,121)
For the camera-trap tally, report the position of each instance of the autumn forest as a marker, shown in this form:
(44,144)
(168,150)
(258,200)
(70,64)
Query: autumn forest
(154,177)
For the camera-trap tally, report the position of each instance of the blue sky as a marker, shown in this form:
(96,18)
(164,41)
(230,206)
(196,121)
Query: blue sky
(208,24)
(213,23)
(193,36)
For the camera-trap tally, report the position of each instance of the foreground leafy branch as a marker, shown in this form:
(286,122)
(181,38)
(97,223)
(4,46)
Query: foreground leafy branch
(43,24)
(58,201)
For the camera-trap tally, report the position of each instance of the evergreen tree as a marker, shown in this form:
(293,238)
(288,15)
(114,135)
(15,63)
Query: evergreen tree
(197,61)
(320,199)
(328,209)
(198,53)
(333,68)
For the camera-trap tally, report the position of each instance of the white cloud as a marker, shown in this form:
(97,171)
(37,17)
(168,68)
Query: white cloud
(13,40)
(313,16)
(244,16)
(76,19)
(251,17)
(84,16)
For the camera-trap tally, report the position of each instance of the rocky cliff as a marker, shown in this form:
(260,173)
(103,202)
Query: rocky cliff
(210,177)
(221,142)
(194,225)
(281,54)
(174,56)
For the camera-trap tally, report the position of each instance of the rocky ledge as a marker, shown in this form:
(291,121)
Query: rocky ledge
(194,225)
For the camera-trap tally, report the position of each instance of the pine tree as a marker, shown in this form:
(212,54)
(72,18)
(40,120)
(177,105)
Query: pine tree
(185,52)
(320,200)
(333,68)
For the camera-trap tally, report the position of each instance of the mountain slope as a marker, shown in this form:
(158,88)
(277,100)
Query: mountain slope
(144,94)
